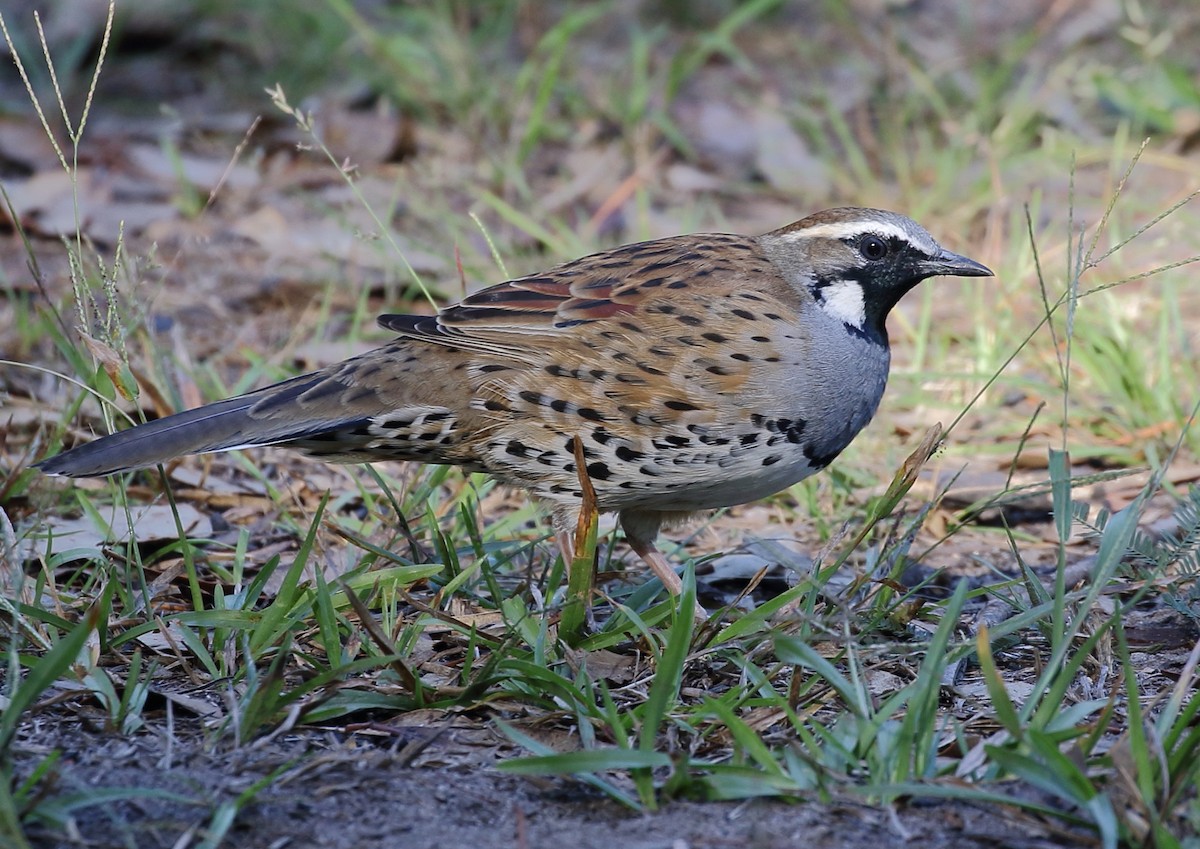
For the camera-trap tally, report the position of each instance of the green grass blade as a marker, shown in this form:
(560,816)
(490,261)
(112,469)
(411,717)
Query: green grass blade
(50,667)
(664,691)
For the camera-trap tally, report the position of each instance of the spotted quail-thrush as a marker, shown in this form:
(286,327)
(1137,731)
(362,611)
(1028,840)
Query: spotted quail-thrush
(697,372)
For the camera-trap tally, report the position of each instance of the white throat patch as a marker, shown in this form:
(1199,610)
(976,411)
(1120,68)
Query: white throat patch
(844,301)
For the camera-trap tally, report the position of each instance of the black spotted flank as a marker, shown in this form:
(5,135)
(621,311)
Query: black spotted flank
(627,454)
(672,441)
(819,456)
(681,406)
(790,429)
(794,431)
(599,471)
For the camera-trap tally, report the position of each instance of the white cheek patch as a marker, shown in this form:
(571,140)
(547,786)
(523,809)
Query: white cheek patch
(844,301)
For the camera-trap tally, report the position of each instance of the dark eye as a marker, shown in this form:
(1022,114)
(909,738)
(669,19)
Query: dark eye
(872,247)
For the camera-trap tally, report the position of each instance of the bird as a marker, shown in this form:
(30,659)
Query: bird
(687,374)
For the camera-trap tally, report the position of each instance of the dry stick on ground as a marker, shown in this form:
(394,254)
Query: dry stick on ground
(407,677)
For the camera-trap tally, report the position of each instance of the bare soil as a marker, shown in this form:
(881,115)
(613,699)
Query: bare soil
(342,791)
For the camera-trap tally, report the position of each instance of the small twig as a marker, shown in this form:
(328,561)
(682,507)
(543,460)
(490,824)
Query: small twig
(407,678)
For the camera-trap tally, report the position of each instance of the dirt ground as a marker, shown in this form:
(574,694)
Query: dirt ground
(339,792)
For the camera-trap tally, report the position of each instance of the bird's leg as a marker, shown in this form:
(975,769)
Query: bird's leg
(657,561)
(641,527)
(566,545)
(566,524)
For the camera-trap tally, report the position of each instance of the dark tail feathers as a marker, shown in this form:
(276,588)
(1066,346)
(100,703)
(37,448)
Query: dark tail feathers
(216,427)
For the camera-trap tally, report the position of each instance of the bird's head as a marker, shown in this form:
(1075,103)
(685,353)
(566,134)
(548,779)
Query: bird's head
(858,263)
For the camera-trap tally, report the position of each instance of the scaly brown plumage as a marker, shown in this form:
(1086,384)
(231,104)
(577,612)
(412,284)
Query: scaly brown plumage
(697,372)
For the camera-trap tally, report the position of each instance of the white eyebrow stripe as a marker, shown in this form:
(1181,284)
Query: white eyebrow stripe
(848,229)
